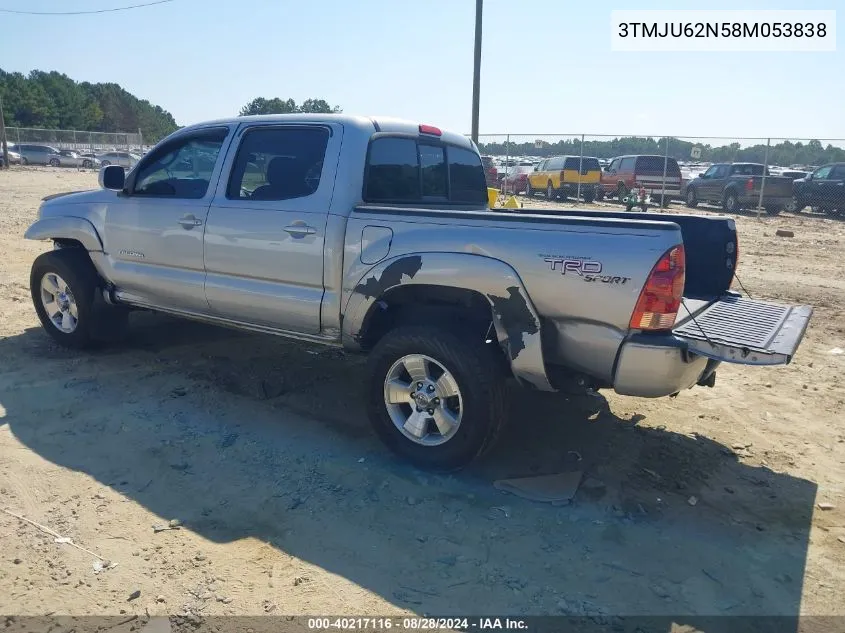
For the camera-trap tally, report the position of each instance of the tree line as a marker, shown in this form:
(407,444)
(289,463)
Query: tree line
(783,153)
(53,100)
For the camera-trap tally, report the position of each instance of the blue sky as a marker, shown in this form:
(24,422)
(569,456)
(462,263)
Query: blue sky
(546,67)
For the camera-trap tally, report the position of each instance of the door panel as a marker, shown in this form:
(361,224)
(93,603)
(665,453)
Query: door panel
(154,235)
(264,257)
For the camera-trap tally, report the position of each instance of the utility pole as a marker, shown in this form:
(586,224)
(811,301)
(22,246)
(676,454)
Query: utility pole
(476,74)
(3,145)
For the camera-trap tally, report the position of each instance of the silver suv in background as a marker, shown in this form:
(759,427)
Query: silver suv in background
(37,154)
(71,158)
(124,159)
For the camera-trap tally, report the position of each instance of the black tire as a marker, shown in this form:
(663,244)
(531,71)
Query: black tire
(730,202)
(692,198)
(599,194)
(550,191)
(480,379)
(774,210)
(529,192)
(54,162)
(87,164)
(105,163)
(589,196)
(24,161)
(96,321)
(797,205)
(621,191)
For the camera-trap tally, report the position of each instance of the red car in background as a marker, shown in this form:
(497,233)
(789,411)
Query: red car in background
(515,179)
(490,171)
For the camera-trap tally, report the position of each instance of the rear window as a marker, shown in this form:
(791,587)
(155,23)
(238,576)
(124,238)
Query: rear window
(587,164)
(747,170)
(653,166)
(402,170)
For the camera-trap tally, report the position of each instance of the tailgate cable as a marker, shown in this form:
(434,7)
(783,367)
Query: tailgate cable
(741,286)
(701,329)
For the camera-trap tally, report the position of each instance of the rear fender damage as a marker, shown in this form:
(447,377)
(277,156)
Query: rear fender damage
(514,317)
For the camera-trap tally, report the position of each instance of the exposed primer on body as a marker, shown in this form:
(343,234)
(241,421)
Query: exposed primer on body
(391,276)
(516,319)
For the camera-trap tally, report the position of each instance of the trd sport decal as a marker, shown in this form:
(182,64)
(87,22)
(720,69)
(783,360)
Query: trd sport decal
(587,269)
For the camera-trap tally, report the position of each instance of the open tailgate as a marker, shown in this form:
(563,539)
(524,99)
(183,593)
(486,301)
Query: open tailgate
(738,330)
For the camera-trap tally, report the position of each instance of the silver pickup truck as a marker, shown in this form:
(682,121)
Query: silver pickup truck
(374,234)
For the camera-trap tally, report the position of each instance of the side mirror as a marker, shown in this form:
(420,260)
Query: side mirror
(702,175)
(112,177)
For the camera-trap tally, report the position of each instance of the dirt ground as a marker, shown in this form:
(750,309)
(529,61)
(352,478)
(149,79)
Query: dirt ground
(705,504)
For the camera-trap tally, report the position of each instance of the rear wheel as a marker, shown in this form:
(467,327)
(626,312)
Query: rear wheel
(621,191)
(54,162)
(692,198)
(87,164)
(730,202)
(435,398)
(589,196)
(529,192)
(550,191)
(774,210)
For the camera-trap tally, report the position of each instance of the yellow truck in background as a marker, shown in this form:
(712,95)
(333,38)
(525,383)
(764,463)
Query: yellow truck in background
(559,176)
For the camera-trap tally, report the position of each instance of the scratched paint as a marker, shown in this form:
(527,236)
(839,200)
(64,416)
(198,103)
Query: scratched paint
(516,318)
(391,276)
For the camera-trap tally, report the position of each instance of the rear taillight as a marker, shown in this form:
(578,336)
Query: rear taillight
(749,184)
(660,299)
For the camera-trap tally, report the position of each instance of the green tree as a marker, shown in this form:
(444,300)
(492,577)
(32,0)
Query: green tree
(260,105)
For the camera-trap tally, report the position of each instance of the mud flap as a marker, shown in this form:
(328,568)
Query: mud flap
(744,331)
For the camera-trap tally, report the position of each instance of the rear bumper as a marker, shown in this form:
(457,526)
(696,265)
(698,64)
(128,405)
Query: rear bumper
(654,365)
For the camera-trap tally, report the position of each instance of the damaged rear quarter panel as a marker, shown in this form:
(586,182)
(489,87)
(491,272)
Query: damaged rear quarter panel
(515,319)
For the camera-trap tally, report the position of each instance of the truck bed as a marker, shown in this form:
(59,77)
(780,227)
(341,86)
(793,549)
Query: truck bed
(710,243)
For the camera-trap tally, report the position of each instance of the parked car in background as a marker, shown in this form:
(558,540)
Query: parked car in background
(71,158)
(124,159)
(515,179)
(14,157)
(491,174)
(627,172)
(824,189)
(36,154)
(559,177)
(737,186)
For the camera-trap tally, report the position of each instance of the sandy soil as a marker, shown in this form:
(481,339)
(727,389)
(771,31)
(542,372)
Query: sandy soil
(289,505)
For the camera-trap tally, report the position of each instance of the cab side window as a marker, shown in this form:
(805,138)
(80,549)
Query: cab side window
(181,168)
(278,163)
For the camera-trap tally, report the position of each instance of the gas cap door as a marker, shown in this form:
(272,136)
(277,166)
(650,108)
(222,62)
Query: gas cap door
(375,243)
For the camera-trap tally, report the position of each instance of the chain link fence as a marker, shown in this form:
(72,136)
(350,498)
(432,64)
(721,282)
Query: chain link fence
(76,139)
(763,176)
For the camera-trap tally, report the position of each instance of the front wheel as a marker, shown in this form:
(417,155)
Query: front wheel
(63,285)
(773,210)
(24,161)
(54,162)
(105,163)
(87,164)
(529,192)
(550,191)
(692,198)
(795,205)
(435,398)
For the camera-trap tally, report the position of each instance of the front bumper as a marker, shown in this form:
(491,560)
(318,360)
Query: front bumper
(653,366)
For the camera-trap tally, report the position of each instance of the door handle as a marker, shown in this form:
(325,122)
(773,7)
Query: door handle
(300,230)
(189,221)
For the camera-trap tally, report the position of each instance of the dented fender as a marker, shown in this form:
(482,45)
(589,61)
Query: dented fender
(514,316)
(66,227)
